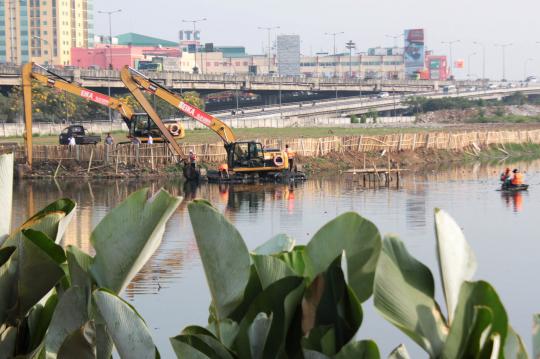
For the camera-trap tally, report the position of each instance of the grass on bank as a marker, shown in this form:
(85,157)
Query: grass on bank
(501,118)
(510,153)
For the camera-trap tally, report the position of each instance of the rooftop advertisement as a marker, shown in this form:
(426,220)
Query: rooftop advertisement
(414,51)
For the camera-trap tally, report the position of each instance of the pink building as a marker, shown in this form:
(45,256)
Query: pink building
(102,56)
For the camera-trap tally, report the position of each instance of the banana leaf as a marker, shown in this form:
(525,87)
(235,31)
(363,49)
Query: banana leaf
(224,255)
(457,262)
(404,295)
(128,236)
(361,241)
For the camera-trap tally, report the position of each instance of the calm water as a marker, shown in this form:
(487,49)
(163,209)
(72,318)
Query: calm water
(170,292)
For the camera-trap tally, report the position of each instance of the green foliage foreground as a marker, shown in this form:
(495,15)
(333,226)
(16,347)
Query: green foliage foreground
(64,303)
(286,301)
(277,301)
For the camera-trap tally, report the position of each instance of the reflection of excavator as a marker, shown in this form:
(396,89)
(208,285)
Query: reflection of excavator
(140,124)
(245,159)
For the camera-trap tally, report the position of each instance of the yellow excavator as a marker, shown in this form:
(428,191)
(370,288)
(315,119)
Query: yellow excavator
(140,124)
(245,159)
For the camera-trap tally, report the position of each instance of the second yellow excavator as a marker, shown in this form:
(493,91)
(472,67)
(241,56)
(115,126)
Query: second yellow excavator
(245,159)
(140,125)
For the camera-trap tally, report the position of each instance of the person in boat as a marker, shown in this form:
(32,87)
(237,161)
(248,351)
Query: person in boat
(506,176)
(517,179)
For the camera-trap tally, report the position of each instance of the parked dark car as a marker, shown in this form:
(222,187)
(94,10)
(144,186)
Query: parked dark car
(79,133)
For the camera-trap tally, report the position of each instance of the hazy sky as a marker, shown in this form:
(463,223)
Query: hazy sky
(235,22)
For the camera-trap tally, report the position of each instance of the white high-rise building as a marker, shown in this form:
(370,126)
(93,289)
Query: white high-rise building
(288,55)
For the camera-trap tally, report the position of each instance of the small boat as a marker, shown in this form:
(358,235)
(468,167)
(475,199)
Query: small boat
(514,188)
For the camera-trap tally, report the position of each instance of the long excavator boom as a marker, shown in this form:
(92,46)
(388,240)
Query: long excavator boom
(126,78)
(213,123)
(60,83)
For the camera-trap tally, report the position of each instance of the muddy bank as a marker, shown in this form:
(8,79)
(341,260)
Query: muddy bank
(418,160)
(74,169)
(333,162)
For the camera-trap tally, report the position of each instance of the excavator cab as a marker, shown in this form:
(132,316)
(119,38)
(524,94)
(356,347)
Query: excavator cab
(251,156)
(246,154)
(141,125)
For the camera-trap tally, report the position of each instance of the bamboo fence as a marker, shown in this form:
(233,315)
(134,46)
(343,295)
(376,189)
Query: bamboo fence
(160,155)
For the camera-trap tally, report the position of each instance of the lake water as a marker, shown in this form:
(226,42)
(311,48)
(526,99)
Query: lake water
(171,292)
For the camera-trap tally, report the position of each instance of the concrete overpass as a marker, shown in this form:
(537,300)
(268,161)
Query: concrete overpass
(179,81)
(362,105)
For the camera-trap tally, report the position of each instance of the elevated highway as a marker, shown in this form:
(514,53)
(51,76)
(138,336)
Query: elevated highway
(179,81)
(364,104)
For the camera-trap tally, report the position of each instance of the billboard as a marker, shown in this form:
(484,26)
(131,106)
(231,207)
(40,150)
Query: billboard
(437,67)
(435,64)
(413,55)
(459,64)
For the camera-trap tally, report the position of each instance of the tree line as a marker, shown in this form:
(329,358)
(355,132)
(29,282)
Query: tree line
(56,106)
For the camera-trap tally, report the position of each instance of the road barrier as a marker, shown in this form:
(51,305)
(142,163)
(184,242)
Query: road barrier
(51,129)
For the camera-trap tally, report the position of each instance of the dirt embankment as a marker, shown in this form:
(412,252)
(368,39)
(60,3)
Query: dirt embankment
(333,162)
(462,116)
(410,160)
(74,169)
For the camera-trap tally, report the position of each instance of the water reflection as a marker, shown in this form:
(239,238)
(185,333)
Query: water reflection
(278,206)
(174,277)
(514,200)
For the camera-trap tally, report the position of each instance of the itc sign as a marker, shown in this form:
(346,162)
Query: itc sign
(189,35)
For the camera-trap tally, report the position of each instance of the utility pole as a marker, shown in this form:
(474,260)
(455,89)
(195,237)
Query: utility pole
(334,34)
(269,30)
(469,65)
(109,13)
(483,58)
(195,68)
(350,45)
(450,43)
(503,48)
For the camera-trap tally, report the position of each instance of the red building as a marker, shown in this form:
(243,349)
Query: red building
(119,55)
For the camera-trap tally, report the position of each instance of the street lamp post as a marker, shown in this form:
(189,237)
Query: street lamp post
(334,34)
(395,37)
(50,50)
(469,65)
(525,67)
(450,43)
(503,48)
(269,30)
(483,58)
(350,46)
(109,13)
(195,69)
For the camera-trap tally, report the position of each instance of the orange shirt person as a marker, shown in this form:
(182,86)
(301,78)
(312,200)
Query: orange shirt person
(518,177)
